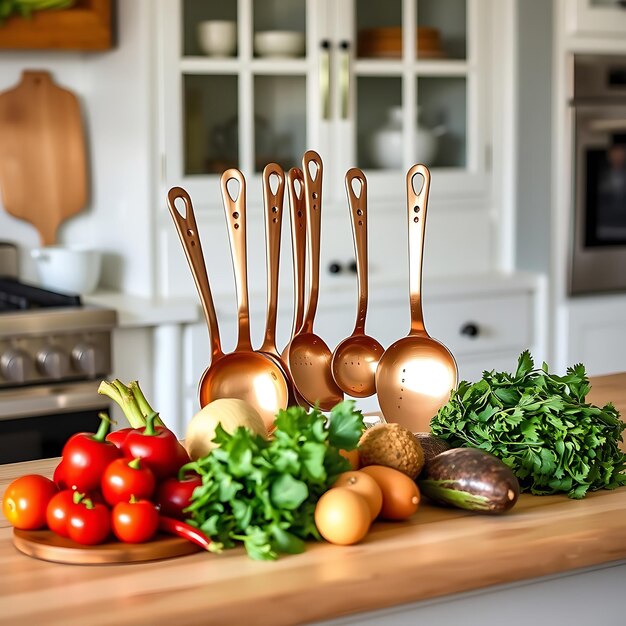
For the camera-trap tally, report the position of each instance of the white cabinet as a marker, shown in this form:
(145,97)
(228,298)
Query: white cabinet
(596,18)
(426,59)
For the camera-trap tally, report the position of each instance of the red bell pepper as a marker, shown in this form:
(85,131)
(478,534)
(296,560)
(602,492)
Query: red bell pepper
(86,456)
(158,448)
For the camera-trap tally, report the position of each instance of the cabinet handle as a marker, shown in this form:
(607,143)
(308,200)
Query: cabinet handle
(344,79)
(325,78)
(470,329)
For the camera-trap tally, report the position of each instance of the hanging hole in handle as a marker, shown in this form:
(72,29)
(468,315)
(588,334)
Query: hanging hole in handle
(236,215)
(274,183)
(274,209)
(233,189)
(297,187)
(181,206)
(422,181)
(314,169)
(359,212)
(357,187)
(416,209)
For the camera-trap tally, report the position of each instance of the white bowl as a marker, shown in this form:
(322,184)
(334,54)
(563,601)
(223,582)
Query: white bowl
(279,43)
(75,270)
(218,38)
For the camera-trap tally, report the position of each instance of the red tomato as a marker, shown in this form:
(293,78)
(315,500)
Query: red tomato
(174,495)
(86,456)
(123,478)
(88,523)
(58,511)
(25,501)
(158,448)
(183,456)
(135,521)
(117,437)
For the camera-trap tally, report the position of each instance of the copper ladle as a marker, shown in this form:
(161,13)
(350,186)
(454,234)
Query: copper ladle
(309,356)
(416,373)
(273,214)
(355,359)
(297,218)
(244,373)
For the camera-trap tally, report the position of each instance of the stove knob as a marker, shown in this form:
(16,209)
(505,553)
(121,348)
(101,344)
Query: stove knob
(53,363)
(15,366)
(88,360)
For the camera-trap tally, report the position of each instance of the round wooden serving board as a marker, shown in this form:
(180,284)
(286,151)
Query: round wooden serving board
(48,546)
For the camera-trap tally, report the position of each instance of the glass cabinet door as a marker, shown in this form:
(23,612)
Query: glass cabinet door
(240,89)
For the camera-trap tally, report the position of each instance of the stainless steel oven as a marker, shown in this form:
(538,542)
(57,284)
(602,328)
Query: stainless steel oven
(598,259)
(53,351)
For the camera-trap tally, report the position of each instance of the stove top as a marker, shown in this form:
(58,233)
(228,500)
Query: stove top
(18,296)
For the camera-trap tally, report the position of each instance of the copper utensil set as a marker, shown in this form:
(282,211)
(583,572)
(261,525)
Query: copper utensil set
(413,377)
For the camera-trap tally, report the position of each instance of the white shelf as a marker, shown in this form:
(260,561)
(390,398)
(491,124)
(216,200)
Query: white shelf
(395,67)
(284,67)
(209,65)
(443,67)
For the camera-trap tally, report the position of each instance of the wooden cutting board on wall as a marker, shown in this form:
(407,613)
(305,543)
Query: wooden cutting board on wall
(43,162)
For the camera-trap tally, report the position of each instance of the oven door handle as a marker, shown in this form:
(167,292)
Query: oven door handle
(22,403)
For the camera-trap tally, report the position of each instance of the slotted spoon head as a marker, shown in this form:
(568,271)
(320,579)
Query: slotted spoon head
(416,374)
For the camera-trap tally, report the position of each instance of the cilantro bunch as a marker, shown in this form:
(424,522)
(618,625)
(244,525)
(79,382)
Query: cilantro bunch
(264,493)
(539,425)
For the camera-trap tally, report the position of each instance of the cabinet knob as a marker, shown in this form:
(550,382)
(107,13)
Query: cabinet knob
(470,329)
(334,267)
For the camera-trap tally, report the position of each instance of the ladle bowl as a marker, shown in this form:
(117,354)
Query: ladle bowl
(416,374)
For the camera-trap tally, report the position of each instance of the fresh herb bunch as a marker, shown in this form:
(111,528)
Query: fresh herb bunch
(540,426)
(26,7)
(263,492)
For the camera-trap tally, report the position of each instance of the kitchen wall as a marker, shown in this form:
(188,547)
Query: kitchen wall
(115,90)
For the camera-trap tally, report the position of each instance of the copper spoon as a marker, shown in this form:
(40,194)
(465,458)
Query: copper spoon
(297,218)
(416,373)
(250,376)
(273,214)
(188,232)
(355,359)
(309,356)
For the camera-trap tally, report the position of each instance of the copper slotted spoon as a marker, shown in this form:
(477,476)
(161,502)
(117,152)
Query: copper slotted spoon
(273,216)
(309,356)
(416,373)
(251,376)
(355,359)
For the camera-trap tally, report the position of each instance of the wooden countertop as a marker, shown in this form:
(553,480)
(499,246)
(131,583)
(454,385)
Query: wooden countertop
(438,552)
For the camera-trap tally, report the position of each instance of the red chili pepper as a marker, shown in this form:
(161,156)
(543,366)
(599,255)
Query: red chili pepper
(117,437)
(174,495)
(86,456)
(180,529)
(158,448)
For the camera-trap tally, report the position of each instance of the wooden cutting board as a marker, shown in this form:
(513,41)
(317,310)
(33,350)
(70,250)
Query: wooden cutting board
(43,163)
(48,546)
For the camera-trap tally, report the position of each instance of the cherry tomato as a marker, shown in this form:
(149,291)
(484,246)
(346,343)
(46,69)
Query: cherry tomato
(86,456)
(123,478)
(58,511)
(157,447)
(183,455)
(135,521)
(88,523)
(117,437)
(25,501)
(174,495)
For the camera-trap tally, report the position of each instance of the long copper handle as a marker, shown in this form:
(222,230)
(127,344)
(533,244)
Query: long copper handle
(235,210)
(298,243)
(416,210)
(273,202)
(358,216)
(188,232)
(313,202)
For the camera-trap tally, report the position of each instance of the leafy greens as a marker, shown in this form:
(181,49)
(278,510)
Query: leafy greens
(539,425)
(263,492)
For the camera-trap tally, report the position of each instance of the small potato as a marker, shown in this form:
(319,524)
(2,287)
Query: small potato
(364,485)
(401,496)
(342,516)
